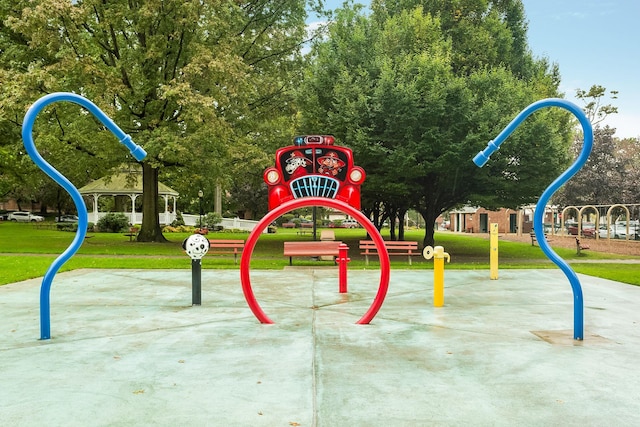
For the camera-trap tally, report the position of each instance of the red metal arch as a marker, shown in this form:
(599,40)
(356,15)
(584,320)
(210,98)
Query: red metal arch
(304,202)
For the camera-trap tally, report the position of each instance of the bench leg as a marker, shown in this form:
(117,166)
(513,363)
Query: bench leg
(290,260)
(409,259)
(366,259)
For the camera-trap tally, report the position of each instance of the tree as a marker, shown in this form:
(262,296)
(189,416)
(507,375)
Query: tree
(593,108)
(610,175)
(185,79)
(629,149)
(418,91)
(601,180)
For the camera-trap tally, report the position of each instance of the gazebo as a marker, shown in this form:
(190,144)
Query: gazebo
(127,181)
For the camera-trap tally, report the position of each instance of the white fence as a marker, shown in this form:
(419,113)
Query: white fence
(227,223)
(167,218)
(136,218)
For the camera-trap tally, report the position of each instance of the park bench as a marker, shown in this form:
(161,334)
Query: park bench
(312,249)
(394,248)
(234,247)
(133,232)
(534,239)
(580,246)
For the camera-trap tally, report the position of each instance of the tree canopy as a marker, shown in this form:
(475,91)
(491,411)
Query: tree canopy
(610,175)
(418,88)
(189,81)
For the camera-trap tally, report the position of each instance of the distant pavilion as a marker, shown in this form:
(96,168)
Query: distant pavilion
(127,182)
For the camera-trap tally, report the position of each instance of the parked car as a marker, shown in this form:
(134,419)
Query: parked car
(25,217)
(634,230)
(619,231)
(350,223)
(303,223)
(588,229)
(67,218)
(611,233)
(346,223)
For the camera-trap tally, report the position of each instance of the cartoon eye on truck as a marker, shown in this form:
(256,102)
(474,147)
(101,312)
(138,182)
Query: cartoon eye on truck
(314,167)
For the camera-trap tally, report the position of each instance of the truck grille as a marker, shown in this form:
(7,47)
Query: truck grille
(315,186)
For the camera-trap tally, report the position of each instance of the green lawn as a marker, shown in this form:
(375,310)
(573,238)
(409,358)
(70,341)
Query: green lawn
(26,252)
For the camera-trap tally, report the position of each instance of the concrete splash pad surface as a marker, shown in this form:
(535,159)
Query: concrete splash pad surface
(128,348)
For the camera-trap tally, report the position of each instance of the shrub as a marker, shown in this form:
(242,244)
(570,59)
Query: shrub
(284,218)
(178,221)
(72,226)
(211,219)
(113,223)
(67,226)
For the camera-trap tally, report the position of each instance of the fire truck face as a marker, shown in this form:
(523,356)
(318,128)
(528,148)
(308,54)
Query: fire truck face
(314,167)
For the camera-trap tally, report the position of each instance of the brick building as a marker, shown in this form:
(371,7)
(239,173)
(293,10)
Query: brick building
(471,219)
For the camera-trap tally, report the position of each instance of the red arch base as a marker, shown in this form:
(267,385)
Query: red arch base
(300,203)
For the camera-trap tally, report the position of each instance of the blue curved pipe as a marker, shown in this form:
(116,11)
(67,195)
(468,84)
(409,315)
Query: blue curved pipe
(27,128)
(483,156)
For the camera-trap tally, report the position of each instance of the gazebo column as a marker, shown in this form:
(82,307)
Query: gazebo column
(166,209)
(175,213)
(95,208)
(133,207)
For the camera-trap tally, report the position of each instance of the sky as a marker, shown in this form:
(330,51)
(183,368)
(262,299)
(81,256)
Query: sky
(594,42)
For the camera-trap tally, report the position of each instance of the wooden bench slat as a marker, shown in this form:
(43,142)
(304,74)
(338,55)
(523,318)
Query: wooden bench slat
(236,245)
(394,248)
(580,246)
(322,248)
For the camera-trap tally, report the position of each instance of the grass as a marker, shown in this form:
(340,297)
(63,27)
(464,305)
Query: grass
(27,252)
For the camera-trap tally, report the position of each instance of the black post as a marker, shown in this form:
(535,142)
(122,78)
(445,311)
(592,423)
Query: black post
(313,217)
(200,195)
(196,282)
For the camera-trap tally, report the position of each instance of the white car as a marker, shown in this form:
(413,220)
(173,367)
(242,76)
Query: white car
(350,223)
(619,231)
(67,218)
(25,217)
(634,228)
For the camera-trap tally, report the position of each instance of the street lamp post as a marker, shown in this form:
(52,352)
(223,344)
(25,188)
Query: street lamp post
(200,195)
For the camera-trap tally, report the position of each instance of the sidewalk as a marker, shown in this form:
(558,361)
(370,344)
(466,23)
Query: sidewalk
(128,349)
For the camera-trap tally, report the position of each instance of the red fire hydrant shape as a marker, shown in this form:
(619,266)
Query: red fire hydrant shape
(343,260)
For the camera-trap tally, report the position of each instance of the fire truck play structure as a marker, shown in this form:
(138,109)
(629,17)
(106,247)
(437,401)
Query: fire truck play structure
(315,172)
(314,167)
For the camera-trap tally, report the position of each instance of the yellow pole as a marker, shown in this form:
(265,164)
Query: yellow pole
(438,254)
(438,281)
(493,256)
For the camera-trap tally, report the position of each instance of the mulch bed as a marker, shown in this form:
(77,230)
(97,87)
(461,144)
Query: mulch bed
(611,246)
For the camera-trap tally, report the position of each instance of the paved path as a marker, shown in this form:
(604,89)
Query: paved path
(129,349)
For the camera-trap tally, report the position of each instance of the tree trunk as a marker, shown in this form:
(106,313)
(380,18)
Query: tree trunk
(429,216)
(150,231)
(393,215)
(401,215)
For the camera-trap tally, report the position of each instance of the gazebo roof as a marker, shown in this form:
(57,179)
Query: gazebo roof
(128,180)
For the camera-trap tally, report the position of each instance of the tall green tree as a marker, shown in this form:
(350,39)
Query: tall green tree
(418,88)
(187,79)
(602,179)
(610,175)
